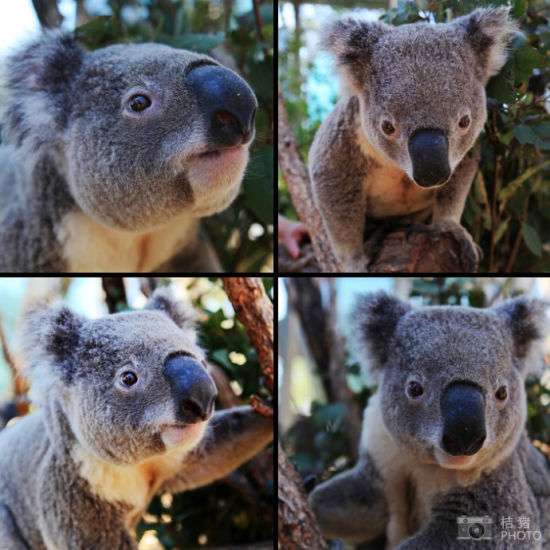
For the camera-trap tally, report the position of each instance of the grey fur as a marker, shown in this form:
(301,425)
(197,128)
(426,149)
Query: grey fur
(79,472)
(405,483)
(88,185)
(417,77)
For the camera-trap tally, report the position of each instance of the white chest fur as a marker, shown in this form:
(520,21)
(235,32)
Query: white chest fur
(398,470)
(133,485)
(390,192)
(90,246)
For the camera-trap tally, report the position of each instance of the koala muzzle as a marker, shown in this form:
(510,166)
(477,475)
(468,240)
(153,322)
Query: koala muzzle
(429,153)
(463,411)
(229,104)
(192,387)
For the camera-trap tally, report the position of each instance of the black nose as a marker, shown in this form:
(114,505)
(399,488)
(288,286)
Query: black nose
(192,387)
(228,101)
(463,411)
(430,157)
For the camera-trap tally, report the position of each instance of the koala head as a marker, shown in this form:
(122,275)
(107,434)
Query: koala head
(421,87)
(450,377)
(141,133)
(131,385)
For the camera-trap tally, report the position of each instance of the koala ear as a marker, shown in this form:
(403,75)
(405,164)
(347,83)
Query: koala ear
(40,78)
(49,336)
(374,320)
(182,313)
(487,32)
(352,42)
(527,321)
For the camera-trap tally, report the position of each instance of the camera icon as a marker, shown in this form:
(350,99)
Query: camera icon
(474,528)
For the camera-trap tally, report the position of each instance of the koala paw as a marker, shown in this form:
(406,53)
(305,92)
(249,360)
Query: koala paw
(471,253)
(355,265)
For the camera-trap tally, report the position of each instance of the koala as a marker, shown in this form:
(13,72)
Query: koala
(443,439)
(110,158)
(126,412)
(394,150)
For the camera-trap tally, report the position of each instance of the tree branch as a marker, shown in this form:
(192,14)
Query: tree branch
(401,251)
(297,179)
(297,529)
(254,310)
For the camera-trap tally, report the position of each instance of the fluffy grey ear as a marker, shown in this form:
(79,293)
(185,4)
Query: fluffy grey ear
(182,313)
(40,78)
(487,31)
(527,321)
(49,336)
(374,320)
(352,42)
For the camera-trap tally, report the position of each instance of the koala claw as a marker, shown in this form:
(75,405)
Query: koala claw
(470,253)
(356,265)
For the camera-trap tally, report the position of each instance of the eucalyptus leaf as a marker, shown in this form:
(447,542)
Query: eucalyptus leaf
(531,239)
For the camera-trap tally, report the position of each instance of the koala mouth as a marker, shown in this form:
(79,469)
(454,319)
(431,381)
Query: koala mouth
(176,435)
(215,153)
(454,462)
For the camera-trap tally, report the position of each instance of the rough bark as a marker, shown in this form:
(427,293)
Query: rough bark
(297,179)
(115,293)
(226,396)
(402,251)
(297,528)
(47,12)
(254,310)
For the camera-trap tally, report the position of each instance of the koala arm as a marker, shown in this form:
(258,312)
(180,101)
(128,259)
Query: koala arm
(351,505)
(10,537)
(233,436)
(449,205)
(337,168)
(451,198)
(74,517)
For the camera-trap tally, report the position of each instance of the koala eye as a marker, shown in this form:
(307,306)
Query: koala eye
(414,389)
(387,128)
(128,378)
(502,393)
(139,103)
(464,122)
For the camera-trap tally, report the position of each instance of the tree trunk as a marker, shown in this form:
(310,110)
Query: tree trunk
(401,251)
(297,179)
(297,529)
(254,310)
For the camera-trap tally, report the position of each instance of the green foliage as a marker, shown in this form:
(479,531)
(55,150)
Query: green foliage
(243,233)
(321,443)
